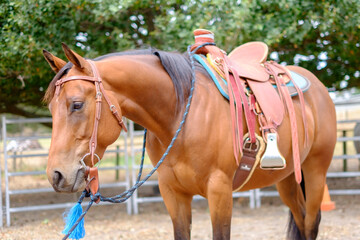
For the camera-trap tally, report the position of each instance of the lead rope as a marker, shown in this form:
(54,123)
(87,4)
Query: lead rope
(128,193)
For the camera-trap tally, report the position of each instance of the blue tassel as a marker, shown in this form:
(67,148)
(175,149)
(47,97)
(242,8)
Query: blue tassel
(70,219)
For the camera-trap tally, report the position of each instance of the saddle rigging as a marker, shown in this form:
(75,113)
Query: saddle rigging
(259,89)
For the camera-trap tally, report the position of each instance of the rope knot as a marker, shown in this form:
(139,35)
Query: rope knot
(87,193)
(95,197)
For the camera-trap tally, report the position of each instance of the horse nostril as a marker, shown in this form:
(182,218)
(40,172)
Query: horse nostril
(57,177)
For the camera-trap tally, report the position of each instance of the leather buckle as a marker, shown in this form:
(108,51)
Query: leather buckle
(112,107)
(98,96)
(249,146)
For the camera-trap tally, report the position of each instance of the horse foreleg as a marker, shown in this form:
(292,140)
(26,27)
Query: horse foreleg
(292,195)
(219,195)
(179,208)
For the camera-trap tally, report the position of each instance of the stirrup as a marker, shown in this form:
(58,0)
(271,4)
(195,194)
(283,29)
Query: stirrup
(272,158)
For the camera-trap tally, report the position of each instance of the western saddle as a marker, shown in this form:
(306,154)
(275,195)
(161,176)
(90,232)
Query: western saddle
(250,82)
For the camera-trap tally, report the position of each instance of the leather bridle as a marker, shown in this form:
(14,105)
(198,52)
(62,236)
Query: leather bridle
(100,92)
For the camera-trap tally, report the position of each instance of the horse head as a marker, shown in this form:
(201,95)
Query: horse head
(74,99)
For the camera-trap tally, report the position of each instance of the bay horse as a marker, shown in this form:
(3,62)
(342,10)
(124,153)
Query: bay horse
(150,87)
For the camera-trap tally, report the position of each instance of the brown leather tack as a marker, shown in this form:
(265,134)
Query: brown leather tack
(246,164)
(94,181)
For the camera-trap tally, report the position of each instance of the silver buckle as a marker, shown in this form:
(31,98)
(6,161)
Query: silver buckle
(112,107)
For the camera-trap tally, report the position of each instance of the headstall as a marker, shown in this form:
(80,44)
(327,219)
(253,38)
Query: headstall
(100,92)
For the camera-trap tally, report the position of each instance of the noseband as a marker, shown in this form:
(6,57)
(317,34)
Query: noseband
(100,92)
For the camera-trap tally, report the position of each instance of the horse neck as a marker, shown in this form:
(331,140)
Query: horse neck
(144,91)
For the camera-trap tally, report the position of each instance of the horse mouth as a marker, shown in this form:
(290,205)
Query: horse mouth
(79,182)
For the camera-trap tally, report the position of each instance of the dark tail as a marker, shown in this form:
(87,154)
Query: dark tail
(293,232)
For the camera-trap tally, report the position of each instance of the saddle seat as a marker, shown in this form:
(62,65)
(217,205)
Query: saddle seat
(249,60)
(251,52)
(251,56)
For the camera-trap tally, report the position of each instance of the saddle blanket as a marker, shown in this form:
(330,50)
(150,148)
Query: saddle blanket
(302,82)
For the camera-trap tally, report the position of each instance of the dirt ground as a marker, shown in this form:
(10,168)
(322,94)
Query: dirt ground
(153,223)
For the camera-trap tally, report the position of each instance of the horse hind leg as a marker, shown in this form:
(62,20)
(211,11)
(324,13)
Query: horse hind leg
(292,194)
(315,178)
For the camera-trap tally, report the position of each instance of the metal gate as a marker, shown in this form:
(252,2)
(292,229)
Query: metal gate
(10,173)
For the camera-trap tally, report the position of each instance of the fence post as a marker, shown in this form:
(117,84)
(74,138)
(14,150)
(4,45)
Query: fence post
(4,152)
(344,152)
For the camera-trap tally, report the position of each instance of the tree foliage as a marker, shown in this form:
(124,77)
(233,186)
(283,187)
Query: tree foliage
(322,36)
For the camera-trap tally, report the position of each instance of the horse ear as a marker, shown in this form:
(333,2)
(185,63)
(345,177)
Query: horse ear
(55,63)
(73,57)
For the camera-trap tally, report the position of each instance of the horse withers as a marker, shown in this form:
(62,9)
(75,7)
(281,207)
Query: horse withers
(150,87)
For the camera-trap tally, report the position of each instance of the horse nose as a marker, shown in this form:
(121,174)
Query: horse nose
(58,179)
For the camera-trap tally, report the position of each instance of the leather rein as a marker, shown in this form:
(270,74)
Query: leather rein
(100,92)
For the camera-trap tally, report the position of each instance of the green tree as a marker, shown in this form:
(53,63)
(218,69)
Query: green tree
(322,36)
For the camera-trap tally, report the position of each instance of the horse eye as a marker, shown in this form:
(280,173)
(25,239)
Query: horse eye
(76,106)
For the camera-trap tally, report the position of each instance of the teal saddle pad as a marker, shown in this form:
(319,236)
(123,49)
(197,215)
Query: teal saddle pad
(221,84)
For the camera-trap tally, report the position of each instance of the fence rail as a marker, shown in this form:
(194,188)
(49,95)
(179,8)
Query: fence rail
(8,174)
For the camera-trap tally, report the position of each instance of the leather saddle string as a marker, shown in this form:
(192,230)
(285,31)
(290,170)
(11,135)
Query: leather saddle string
(236,89)
(249,115)
(301,98)
(242,99)
(283,90)
(236,125)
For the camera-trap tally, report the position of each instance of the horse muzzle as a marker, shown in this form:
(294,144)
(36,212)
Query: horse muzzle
(74,183)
